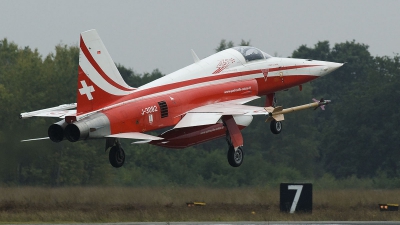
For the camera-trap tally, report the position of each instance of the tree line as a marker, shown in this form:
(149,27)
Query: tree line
(356,138)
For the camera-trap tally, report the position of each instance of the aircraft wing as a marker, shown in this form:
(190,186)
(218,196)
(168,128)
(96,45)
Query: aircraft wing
(212,113)
(59,111)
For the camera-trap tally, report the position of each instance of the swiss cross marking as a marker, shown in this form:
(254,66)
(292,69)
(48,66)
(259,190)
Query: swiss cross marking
(86,90)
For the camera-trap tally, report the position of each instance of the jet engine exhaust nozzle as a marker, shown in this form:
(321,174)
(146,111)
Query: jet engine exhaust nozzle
(97,126)
(73,133)
(56,131)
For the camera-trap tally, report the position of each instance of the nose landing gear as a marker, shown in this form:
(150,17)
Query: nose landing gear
(276,126)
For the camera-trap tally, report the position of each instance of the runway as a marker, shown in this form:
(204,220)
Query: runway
(234,223)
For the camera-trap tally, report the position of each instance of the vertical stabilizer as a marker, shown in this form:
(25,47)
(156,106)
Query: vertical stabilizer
(99,81)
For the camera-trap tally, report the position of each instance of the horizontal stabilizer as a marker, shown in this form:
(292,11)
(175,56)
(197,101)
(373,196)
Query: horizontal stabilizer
(135,135)
(59,111)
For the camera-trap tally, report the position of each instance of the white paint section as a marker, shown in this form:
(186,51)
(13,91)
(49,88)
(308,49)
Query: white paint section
(100,54)
(198,119)
(298,189)
(243,120)
(233,107)
(97,79)
(207,66)
(58,111)
(211,114)
(230,109)
(86,90)
(135,135)
(203,68)
(58,114)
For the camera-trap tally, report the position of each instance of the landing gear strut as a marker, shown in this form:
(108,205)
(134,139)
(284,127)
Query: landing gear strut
(235,141)
(270,101)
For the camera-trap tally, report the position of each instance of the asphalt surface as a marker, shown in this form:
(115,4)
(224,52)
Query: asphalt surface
(238,223)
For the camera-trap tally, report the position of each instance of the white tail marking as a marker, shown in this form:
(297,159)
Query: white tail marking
(86,90)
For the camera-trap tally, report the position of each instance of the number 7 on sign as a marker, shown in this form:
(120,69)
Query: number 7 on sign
(298,189)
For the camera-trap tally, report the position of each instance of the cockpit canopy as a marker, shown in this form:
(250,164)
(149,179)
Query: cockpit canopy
(251,53)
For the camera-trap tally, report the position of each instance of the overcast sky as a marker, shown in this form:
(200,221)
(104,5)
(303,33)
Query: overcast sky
(145,35)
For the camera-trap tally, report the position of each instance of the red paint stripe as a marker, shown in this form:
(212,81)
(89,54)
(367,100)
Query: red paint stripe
(195,81)
(98,68)
(290,67)
(214,78)
(217,71)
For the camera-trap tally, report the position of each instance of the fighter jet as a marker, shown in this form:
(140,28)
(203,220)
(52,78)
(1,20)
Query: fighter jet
(198,103)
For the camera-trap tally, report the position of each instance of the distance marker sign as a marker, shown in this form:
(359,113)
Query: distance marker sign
(296,197)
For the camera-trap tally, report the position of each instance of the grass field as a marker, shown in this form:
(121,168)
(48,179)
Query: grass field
(108,204)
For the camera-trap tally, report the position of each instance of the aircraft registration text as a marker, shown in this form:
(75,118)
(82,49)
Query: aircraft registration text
(149,109)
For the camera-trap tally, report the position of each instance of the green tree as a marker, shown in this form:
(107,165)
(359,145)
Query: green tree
(363,139)
(225,45)
(137,80)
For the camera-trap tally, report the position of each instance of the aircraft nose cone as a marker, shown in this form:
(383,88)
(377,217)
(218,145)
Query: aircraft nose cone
(334,66)
(330,67)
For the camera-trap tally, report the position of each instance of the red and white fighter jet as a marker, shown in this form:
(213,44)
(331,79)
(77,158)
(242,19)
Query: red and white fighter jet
(198,103)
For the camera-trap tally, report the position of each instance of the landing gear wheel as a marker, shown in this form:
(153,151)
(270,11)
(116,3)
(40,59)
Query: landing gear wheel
(116,156)
(276,126)
(235,158)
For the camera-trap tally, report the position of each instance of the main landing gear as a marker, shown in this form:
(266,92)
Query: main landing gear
(235,141)
(235,157)
(116,154)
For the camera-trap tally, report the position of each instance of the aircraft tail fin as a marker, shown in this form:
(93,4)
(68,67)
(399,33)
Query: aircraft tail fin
(99,81)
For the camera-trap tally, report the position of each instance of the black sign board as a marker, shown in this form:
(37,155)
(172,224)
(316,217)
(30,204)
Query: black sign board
(296,197)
